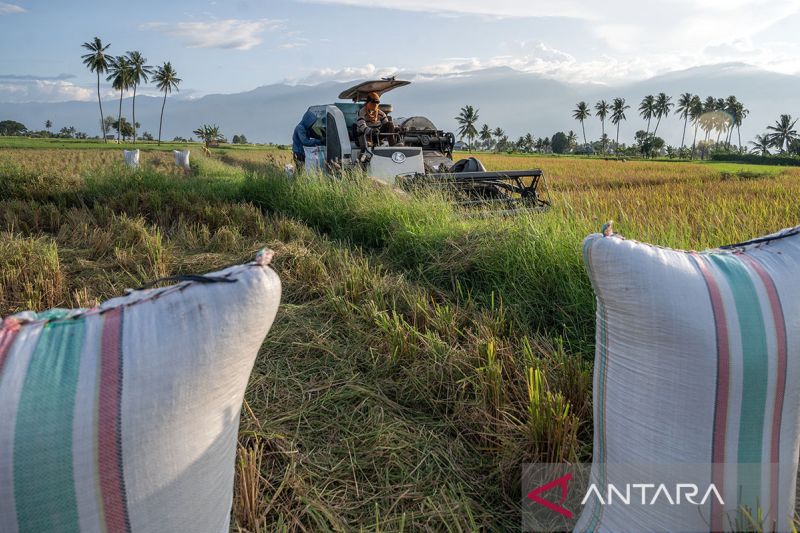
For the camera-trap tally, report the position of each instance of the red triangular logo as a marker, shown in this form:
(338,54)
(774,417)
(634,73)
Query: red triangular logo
(534,495)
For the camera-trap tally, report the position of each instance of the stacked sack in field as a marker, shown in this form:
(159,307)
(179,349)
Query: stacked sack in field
(697,368)
(124,417)
(182,159)
(131,157)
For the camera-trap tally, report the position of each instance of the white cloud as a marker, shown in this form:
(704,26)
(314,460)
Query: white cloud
(6,8)
(539,58)
(627,26)
(230,34)
(42,90)
(297,42)
(347,74)
(62,76)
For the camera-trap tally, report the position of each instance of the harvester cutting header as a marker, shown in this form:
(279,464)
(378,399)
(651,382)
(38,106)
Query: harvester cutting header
(359,133)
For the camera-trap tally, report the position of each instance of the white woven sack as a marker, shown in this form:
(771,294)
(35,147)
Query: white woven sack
(697,363)
(131,157)
(182,159)
(124,417)
(315,157)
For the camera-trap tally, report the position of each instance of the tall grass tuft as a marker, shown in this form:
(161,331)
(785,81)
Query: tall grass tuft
(250,487)
(30,274)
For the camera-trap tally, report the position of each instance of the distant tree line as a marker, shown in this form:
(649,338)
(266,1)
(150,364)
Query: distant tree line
(14,128)
(712,115)
(715,119)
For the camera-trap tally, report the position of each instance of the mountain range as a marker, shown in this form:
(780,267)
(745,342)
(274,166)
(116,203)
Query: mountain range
(516,101)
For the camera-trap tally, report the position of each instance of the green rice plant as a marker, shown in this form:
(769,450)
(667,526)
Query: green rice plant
(491,374)
(30,274)
(553,428)
(425,235)
(225,239)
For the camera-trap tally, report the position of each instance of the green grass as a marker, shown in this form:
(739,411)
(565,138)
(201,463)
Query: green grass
(490,259)
(724,166)
(31,275)
(93,144)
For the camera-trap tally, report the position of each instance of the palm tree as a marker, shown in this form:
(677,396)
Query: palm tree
(739,114)
(683,111)
(601,110)
(647,109)
(98,62)
(572,140)
(730,108)
(722,119)
(502,143)
(140,73)
(618,108)
(48,124)
(581,113)
(485,135)
(707,117)
(119,70)
(761,145)
(209,134)
(529,142)
(784,132)
(466,120)
(166,79)
(498,132)
(662,107)
(708,120)
(696,115)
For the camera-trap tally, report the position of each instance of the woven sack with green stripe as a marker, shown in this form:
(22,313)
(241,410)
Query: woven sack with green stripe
(124,417)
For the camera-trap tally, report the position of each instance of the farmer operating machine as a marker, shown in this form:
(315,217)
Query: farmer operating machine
(415,155)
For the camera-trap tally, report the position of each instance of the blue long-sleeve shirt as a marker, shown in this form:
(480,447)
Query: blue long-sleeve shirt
(301,137)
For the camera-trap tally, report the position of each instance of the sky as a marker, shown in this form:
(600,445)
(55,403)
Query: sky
(233,46)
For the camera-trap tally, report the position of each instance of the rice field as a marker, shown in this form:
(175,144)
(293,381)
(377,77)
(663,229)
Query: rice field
(405,378)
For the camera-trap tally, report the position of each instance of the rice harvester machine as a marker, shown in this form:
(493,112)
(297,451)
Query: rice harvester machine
(416,155)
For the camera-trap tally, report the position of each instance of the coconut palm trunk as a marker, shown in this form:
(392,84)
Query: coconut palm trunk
(119,116)
(100,103)
(603,130)
(683,137)
(617,141)
(134,112)
(694,141)
(161,120)
(583,129)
